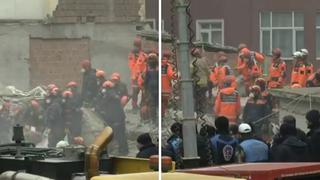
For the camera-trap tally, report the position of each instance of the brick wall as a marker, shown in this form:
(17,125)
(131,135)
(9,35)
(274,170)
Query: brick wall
(56,60)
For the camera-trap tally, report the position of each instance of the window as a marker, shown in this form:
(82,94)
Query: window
(318,36)
(284,30)
(149,24)
(210,31)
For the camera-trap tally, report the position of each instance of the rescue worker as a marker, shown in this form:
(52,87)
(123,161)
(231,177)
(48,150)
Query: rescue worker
(249,66)
(251,149)
(167,75)
(145,146)
(302,69)
(111,110)
(54,119)
(256,111)
(291,149)
(121,88)
(313,135)
(175,142)
(277,70)
(314,79)
(89,83)
(137,64)
(223,145)
(101,78)
(264,92)
(33,117)
(200,73)
(151,85)
(70,116)
(50,95)
(221,71)
(227,102)
(6,123)
(76,97)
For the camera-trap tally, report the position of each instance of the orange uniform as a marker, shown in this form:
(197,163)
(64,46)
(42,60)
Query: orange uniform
(137,64)
(227,104)
(277,75)
(314,80)
(219,74)
(300,74)
(167,74)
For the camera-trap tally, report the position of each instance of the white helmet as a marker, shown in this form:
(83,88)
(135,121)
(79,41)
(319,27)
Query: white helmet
(304,52)
(297,54)
(244,128)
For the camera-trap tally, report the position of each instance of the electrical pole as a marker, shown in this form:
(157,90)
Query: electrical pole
(187,100)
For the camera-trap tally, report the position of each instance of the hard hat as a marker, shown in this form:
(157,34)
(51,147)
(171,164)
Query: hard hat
(54,91)
(66,94)
(255,89)
(115,76)
(297,54)
(304,52)
(137,42)
(244,128)
(51,86)
(245,52)
(100,73)
(62,144)
(241,46)
(85,64)
(72,84)
(108,84)
(35,104)
(276,52)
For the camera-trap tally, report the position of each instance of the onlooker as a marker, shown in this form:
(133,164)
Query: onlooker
(313,136)
(145,146)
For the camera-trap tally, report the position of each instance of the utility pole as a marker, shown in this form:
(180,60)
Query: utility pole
(187,101)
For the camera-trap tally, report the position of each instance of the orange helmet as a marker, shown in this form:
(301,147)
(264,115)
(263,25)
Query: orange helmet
(241,46)
(108,84)
(276,52)
(100,73)
(137,42)
(86,64)
(67,93)
(115,76)
(72,84)
(51,86)
(35,104)
(245,52)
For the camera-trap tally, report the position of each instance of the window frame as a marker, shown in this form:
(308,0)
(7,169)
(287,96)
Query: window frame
(153,21)
(199,30)
(270,29)
(317,28)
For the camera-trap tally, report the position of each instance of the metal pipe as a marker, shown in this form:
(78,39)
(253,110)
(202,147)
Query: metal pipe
(13,175)
(189,122)
(92,155)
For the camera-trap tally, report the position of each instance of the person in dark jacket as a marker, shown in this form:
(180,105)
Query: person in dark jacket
(203,144)
(313,136)
(121,88)
(175,142)
(55,122)
(145,146)
(113,114)
(223,145)
(291,149)
(32,116)
(289,119)
(256,111)
(151,85)
(89,83)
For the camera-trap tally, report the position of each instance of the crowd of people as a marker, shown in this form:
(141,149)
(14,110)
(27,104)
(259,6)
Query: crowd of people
(59,114)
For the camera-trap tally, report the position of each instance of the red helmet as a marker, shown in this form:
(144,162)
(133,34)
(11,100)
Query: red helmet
(54,91)
(51,86)
(137,42)
(276,52)
(35,104)
(245,52)
(115,76)
(67,93)
(100,73)
(108,84)
(86,64)
(72,84)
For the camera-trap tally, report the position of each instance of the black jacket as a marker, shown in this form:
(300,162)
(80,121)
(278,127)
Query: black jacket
(89,85)
(290,150)
(147,151)
(313,140)
(54,117)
